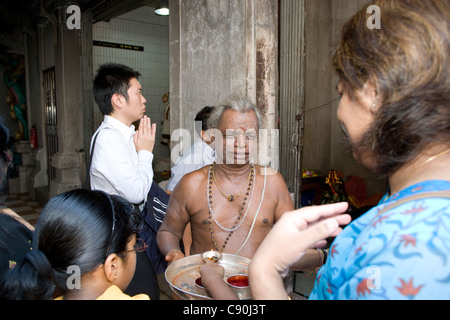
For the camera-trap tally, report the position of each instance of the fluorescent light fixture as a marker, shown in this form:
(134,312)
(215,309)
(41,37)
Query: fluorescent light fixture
(163,8)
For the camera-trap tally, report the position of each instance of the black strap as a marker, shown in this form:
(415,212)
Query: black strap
(87,182)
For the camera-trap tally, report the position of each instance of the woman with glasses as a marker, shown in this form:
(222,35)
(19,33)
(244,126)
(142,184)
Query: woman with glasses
(84,248)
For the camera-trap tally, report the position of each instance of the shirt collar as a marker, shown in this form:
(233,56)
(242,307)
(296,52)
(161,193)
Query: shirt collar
(207,150)
(126,131)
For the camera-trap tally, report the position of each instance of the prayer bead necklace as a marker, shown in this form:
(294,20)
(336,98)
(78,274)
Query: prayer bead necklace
(240,218)
(231,197)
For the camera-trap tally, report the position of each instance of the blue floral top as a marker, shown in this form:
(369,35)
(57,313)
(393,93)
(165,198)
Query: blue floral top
(403,253)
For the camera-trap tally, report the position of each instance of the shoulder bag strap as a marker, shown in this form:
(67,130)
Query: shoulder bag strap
(87,182)
(424,195)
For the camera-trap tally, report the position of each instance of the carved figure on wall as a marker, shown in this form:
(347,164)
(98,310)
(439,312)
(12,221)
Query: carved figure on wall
(14,77)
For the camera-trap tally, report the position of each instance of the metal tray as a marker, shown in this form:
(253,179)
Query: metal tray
(182,273)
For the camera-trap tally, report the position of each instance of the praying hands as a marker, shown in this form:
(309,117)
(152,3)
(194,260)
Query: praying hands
(145,136)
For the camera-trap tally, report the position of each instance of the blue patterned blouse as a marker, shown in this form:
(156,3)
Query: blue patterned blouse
(402,253)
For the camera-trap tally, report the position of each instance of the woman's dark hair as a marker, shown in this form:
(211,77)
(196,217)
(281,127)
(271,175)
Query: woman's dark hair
(112,78)
(408,61)
(74,229)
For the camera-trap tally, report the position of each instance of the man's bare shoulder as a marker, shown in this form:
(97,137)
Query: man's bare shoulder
(197,176)
(271,173)
(192,181)
(189,192)
(275,184)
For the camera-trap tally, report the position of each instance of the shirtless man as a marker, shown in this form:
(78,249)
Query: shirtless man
(221,200)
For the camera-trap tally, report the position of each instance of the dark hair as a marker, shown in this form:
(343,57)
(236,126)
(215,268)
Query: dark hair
(203,116)
(15,242)
(74,229)
(111,79)
(408,61)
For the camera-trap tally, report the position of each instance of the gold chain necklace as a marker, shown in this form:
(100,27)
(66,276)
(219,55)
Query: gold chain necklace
(421,166)
(239,217)
(231,197)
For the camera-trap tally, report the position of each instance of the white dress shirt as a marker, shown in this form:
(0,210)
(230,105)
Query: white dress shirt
(116,167)
(199,155)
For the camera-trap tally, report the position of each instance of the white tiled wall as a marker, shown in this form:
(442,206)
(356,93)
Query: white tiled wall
(140,27)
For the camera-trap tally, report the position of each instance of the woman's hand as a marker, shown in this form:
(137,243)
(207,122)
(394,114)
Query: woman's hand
(288,241)
(211,273)
(212,280)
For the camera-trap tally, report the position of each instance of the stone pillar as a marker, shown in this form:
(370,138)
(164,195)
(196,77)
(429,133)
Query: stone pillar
(67,166)
(230,48)
(38,177)
(69,111)
(19,184)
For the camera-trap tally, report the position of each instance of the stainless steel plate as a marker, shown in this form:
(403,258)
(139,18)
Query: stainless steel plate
(182,273)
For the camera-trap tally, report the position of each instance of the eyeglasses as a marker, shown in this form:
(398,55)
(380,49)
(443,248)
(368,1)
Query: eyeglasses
(139,246)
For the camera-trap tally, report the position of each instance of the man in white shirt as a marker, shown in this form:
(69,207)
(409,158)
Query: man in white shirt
(122,157)
(199,155)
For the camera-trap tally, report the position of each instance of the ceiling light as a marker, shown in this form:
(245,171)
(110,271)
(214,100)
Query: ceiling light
(163,8)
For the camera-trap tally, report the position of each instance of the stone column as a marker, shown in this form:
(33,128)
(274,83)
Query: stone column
(19,184)
(222,48)
(38,177)
(69,112)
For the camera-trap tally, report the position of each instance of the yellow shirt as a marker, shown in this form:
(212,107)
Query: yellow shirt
(114,293)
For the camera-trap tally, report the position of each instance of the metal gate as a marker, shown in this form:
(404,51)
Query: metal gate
(50,119)
(292,94)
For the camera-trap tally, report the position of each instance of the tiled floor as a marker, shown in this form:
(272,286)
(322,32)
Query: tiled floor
(24,206)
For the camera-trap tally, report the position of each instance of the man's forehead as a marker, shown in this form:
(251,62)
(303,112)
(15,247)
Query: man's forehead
(235,120)
(135,84)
